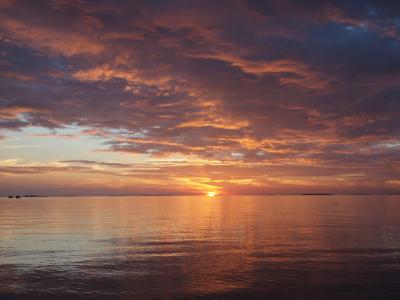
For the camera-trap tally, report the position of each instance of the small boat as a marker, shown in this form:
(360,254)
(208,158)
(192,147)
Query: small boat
(17,196)
(10,196)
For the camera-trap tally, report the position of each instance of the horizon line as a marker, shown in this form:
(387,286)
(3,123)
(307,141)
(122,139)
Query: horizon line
(202,195)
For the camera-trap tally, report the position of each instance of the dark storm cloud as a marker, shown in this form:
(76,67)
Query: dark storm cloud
(259,81)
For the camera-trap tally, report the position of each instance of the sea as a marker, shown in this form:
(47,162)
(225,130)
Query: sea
(195,247)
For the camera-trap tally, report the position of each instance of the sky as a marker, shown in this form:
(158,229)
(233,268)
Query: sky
(198,97)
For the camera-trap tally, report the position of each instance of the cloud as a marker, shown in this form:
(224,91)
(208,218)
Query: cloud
(239,83)
(47,34)
(92,162)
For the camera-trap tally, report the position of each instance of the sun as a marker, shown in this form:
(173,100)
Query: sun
(211,194)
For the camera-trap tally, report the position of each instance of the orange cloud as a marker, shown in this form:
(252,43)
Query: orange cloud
(44,37)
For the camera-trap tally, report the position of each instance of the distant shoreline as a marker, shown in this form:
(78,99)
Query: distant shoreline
(199,195)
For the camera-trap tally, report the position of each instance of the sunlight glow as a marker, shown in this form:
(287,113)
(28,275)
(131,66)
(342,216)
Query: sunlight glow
(211,194)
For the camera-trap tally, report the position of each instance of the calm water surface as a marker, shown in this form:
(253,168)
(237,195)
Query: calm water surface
(273,247)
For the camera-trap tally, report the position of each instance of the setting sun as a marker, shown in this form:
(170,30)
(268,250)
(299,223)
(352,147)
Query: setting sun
(211,194)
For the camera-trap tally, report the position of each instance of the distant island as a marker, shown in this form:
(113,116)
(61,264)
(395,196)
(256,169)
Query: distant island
(317,194)
(24,196)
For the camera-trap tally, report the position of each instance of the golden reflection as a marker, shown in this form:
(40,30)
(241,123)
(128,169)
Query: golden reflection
(205,247)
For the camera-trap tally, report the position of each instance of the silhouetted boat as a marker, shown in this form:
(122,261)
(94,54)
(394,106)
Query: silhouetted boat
(10,196)
(17,196)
